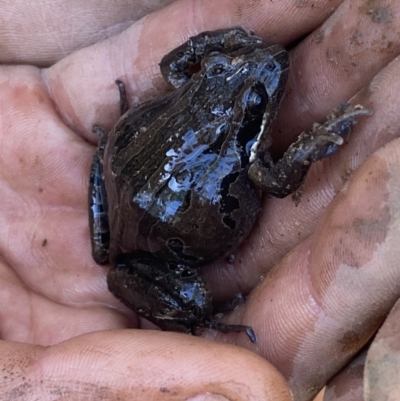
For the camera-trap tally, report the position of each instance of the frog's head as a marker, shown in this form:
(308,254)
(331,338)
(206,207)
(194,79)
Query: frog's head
(256,73)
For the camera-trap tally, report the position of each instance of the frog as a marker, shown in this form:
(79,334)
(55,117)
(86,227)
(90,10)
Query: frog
(178,182)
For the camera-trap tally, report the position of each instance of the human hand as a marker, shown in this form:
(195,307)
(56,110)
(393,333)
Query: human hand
(298,311)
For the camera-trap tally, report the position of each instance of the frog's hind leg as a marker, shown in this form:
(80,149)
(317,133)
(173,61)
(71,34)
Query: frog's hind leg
(98,207)
(169,294)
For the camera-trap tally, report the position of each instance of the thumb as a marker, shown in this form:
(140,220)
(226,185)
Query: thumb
(140,365)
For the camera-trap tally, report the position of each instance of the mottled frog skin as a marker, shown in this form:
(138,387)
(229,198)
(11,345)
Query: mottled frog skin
(178,181)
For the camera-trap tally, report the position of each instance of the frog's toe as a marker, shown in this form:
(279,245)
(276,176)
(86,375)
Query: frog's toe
(230,328)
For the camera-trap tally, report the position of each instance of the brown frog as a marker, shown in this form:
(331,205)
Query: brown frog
(178,181)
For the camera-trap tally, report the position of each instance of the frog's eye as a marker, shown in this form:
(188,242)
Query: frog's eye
(218,69)
(256,100)
(270,66)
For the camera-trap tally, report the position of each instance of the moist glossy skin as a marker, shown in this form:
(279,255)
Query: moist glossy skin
(178,181)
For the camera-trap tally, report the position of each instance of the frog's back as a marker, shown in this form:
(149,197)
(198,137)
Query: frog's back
(178,181)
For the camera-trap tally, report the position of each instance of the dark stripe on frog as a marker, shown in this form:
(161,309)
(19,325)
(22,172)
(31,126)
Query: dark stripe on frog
(146,150)
(150,159)
(136,135)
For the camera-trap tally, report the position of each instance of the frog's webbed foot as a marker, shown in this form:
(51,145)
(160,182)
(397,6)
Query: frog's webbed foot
(287,175)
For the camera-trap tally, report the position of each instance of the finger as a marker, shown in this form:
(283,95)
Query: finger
(383,361)
(334,62)
(43,34)
(84,81)
(47,274)
(44,169)
(128,365)
(282,225)
(348,384)
(321,304)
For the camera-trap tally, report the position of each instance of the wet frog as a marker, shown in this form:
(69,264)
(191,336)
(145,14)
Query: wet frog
(178,181)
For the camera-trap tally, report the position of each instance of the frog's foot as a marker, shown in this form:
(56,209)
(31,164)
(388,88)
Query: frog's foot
(218,311)
(229,328)
(287,175)
(324,139)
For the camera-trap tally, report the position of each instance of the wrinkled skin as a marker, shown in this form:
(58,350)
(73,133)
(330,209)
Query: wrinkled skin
(312,312)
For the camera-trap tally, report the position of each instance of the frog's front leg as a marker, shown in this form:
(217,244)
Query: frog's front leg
(287,175)
(169,294)
(123,100)
(98,207)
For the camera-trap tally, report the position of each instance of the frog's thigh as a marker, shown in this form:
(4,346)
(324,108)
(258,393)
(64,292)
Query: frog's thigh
(172,297)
